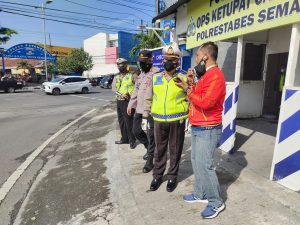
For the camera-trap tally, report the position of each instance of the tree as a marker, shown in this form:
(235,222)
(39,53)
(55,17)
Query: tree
(5,34)
(78,61)
(24,65)
(145,42)
(62,66)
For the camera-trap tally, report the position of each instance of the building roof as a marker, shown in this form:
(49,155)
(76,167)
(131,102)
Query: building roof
(13,63)
(172,9)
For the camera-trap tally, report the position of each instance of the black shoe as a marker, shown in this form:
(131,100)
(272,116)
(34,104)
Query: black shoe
(155,184)
(132,145)
(121,142)
(145,157)
(172,184)
(149,165)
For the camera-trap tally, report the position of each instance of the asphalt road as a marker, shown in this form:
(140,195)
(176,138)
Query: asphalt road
(28,118)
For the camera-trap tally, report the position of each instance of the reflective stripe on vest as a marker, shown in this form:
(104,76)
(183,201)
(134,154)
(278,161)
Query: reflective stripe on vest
(169,101)
(125,85)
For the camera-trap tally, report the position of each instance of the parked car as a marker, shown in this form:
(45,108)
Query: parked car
(106,81)
(68,84)
(9,86)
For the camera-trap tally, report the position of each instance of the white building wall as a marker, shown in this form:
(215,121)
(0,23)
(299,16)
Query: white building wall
(96,46)
(279,40)
(181,23)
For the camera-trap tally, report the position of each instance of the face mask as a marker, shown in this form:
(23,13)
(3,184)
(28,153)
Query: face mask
(145,67)
(200,69)
(169,66)
(122,69)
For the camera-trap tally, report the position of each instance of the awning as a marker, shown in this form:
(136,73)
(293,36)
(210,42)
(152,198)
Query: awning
(172,9)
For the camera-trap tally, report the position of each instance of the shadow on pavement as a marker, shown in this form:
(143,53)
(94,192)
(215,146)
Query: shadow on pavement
(225,178)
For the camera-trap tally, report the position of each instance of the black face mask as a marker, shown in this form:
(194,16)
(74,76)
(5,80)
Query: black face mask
(145,67)
(170,65)
(200,69)
(122,69)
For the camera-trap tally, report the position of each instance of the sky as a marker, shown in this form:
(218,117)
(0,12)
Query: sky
(108,16)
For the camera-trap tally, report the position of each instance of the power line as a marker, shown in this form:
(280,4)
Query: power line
(139,3)
(67,17)
(120,4)
(52,33)
(73,12)
(66,22)
(92,7)
(103,10)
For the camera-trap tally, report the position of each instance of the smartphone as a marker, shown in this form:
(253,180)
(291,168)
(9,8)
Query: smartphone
(177,80)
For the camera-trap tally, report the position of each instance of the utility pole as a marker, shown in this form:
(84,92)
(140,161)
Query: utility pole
(45,35)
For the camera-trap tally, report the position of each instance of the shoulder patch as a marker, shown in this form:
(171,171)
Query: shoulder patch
(158,80)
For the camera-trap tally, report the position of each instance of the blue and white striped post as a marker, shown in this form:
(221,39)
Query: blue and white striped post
(230,105)
(229,117)
(286,160)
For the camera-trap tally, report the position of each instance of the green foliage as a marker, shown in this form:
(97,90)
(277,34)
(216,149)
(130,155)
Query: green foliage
(24,65)
(77,62)
(145,42)
(5,34)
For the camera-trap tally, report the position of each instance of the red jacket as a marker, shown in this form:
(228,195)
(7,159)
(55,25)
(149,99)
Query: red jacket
(207,98)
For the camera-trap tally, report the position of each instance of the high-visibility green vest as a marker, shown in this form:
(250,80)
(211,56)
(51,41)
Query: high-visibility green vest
(169,101)
(281,81)
(125,85)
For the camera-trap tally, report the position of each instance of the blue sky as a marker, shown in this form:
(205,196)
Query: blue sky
(31,29)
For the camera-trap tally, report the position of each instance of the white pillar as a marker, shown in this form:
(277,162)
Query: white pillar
(230,111)
(293,56)
(288,108)
(239,60)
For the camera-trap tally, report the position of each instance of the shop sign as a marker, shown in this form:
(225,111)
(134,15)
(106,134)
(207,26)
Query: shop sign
(167,35)
(215,20)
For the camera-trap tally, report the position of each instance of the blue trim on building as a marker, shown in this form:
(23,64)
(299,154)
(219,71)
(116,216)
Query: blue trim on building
(290,126)
(228,103)
(287,166)
(236,94)
(227,132)
(289,93)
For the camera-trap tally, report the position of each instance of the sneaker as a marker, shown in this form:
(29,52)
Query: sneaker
(191,198)
(211,212)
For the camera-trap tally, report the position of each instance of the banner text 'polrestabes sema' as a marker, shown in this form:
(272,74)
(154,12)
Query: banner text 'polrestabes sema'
(216,20)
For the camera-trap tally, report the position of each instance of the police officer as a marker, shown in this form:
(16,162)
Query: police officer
(141,100)
(169,110)
(123,86)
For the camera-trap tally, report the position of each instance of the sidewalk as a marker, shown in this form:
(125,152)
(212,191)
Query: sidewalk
(89,180)
(250,198)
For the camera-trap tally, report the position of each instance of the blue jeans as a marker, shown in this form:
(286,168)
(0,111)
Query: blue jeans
(204,144)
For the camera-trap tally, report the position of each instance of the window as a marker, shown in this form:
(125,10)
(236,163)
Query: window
(112,43)
(68,80)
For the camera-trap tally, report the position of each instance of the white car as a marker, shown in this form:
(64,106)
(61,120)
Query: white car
(67,84)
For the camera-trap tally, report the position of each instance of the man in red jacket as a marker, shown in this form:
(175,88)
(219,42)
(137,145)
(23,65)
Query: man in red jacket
(205,115)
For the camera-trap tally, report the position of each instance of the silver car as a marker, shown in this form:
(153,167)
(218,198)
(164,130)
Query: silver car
(67,84)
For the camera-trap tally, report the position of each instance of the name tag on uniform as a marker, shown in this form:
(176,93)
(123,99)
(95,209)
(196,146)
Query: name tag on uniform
(158,80)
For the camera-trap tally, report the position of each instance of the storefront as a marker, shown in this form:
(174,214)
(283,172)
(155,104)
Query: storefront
(265,37)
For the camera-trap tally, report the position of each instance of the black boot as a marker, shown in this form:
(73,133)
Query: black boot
(171,185)
(145,157)
(149,164)
(155,184)
(133,145)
